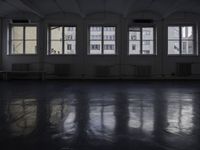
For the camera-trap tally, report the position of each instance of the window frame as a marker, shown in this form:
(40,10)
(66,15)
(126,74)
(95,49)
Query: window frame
(195,38)
(9,51)
(63,41)
(102,38)
(141,41)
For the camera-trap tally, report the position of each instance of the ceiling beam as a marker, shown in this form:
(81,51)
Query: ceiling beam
(80,8)
(129,6)
(33,9)
(173,7)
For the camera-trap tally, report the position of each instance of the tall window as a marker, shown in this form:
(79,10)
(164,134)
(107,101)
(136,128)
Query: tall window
(102,40)
(141,41)
(180,40)
(23,39)
(62,40)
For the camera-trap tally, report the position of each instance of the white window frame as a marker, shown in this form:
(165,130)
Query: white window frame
(102,40)
(141,41)
(63,41)
(180,40)
(9,52)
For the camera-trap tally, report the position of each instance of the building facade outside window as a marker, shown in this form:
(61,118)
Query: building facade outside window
(62,40)
(23,39)
(102,40)
(181,40)
(141,41)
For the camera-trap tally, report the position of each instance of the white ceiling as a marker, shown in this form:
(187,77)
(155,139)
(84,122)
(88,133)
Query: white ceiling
(83,8)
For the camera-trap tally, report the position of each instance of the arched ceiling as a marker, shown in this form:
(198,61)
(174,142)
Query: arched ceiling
(83,8)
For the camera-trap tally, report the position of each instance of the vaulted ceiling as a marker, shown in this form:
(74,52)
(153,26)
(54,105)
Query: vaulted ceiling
(83,8)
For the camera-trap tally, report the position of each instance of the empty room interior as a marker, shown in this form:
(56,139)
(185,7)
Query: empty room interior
(99,75)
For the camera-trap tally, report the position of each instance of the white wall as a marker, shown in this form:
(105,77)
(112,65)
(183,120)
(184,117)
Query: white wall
(83,65)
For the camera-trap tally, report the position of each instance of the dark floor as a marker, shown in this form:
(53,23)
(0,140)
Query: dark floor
(106,115)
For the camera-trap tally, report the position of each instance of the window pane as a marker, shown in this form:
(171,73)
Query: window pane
(134,35)
(31,33)
(173,47)
(70,40)
(134,40)
(17,33)
(30,47)
(109,40)
(134,47)
(173,33)
(17,47)
(147,47)
(56,33)
(70,33)
(187,47)
(95,40)
(147,33)
(187,33)
(56,47)
(70,47)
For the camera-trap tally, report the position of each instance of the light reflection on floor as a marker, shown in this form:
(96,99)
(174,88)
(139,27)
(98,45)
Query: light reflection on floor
(110,115)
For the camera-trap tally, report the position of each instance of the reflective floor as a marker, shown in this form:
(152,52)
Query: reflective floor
(106,115)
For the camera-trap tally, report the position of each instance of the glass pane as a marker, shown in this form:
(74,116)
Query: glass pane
(56,47)
(187,33)
(109,40)
(30,47)
(95,40)
(56,33)
(134,35)
(173,33)
(17,33)
(70,47)
(70,33)
(187,47)
(134,47)
(147,33)
(173,47)
(148,47)
(31,33)
(17,47)
(109,47)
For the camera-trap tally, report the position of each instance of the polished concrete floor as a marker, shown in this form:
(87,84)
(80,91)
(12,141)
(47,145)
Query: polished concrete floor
(100,115)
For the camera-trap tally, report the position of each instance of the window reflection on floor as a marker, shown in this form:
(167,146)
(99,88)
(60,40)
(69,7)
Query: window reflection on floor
(141,110)
(22,116)
(102,119)
(141,116)
(180,113)
(62,115)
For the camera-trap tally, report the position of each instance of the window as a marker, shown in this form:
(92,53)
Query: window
(141,41)
(23,39)
(62,40)
(180,40)
(102,40)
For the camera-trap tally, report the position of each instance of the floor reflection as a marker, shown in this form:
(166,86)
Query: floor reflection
(91,116)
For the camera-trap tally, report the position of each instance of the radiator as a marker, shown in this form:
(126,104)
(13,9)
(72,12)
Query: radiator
(183,69)
(20,67)
(102,71)
(143,71)
(62,69)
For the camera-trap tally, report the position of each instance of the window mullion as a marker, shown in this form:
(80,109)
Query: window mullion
(49,41)
(102,40)
(63,41)
(180,39)
(141,40)
(24,52)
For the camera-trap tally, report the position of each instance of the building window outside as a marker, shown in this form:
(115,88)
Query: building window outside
(102,40)
(62,40)
(141,41)
(181,40)
(23,39)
